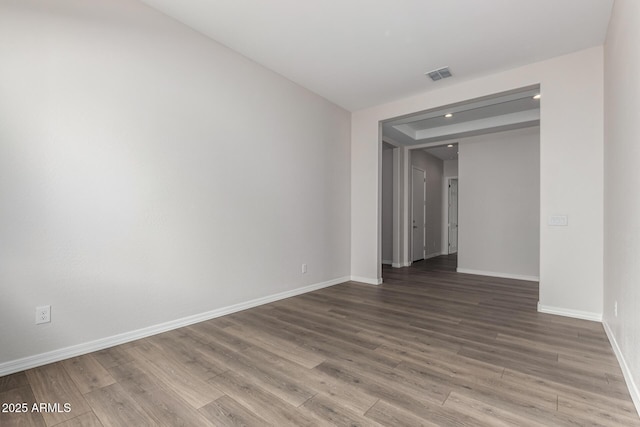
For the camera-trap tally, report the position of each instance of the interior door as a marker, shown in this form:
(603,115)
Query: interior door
(453,216)
(418,195)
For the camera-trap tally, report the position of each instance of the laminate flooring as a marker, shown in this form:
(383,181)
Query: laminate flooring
(428,347)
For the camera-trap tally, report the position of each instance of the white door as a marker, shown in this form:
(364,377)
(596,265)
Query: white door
(453,216)
(418,194)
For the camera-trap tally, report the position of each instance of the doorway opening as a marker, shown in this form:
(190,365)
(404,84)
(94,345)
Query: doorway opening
(421,183)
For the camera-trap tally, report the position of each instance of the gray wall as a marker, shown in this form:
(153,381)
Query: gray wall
(622,200)
(129,200)
(434,168)
(572,128)
(499,203)
(450,168)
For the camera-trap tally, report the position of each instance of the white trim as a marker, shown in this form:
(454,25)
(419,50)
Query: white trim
(391,141)
(400,264)
(577,314)
(387,262)
(366,280)
(424,213)
(626,372)
(29,362)
(502,275)
(445,224)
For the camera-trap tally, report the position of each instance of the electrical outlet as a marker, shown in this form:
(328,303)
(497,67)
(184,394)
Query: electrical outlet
(304,268)
(615,309)
(43,314)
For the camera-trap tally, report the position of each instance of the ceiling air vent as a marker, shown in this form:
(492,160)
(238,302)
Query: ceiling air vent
(439,74)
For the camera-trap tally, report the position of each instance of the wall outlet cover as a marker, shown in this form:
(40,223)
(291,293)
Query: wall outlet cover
(43,314)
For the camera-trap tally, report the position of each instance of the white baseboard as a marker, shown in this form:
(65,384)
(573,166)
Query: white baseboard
(577,314)
(29,362)
(400,264)
(387,262)
(501,275)
(626,372)
(366,280)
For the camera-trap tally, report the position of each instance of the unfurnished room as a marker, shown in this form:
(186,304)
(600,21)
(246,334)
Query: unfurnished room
(319,213)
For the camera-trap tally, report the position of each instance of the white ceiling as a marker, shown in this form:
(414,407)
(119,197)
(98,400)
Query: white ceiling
(360,53)
(444,152)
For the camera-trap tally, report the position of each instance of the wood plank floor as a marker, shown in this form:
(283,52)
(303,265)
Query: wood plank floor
(429,347)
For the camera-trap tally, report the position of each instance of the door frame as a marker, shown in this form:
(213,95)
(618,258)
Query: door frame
(424,216)
(446,205)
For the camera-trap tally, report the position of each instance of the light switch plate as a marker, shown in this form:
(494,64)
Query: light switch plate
(558,220)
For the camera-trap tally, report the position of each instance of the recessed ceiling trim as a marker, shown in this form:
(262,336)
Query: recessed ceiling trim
(434,142)
(471,126)
(475,116)
(465,106)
